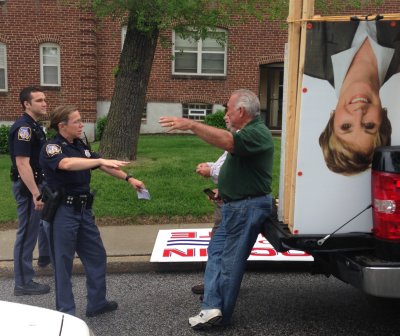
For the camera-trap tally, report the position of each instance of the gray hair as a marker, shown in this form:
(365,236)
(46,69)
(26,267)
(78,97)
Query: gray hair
(247,99)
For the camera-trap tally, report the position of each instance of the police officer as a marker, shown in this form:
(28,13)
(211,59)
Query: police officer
(67,163)
(26,139)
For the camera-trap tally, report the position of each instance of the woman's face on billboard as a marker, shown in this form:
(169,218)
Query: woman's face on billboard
(358,116)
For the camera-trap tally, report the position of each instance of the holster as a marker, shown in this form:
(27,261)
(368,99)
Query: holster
(51,201)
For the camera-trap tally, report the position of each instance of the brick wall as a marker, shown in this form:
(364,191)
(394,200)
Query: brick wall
(247,46)
(24,25)
(90,52)
(250,45)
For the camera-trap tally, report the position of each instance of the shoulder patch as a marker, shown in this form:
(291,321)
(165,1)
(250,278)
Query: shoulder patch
(24,133)
(53,149)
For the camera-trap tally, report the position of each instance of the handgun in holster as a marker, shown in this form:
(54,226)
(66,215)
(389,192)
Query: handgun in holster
(51,200)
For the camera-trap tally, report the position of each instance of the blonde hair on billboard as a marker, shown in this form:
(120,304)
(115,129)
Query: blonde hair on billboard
(342,158)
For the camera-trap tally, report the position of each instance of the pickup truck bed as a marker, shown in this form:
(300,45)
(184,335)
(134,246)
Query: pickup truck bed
(349,257)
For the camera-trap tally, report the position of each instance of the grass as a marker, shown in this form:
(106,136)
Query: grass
(166,165)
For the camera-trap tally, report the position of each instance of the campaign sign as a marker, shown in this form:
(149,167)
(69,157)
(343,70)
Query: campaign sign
(189,245)
(351,74)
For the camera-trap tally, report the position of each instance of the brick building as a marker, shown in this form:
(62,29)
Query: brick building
(72,56)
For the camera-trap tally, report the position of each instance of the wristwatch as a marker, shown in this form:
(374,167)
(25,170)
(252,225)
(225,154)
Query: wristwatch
(127,177)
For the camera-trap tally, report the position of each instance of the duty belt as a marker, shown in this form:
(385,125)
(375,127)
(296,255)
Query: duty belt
(37,174)
(79,202)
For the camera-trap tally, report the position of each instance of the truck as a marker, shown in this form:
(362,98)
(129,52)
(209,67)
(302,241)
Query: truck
(348,222)
(367,261)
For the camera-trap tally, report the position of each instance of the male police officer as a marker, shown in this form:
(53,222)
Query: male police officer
(26,139)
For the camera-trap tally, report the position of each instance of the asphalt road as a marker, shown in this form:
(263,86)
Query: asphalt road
(278,301)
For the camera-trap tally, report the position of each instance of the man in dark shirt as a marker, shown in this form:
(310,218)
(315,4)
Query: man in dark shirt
(244,185)
(26,139)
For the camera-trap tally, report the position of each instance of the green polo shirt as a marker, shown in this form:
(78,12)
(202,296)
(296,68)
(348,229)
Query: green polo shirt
(248,170)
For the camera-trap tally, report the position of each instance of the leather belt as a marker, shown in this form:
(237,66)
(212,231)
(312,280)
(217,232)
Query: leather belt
(228,200)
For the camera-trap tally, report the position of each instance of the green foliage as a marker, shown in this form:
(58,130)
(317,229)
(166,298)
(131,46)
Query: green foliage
(205,14)
(4,130)
(201,16)
(115,70)
(100,125)
(216,119)
(338,7)
(50,133)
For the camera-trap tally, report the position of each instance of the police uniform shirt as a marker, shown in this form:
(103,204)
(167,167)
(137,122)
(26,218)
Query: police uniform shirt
(67,181)
(26,139)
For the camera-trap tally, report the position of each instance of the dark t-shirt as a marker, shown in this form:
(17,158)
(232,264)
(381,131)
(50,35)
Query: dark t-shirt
(248,170)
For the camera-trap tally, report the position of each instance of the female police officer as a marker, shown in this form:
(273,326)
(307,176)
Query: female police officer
(67,163)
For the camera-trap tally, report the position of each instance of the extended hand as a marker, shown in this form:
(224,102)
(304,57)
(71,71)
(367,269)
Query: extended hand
(116,164)
(203,169)
(182,124)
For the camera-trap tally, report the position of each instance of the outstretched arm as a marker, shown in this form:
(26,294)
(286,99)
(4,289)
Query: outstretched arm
(214,136)
(137,184)
(75,163)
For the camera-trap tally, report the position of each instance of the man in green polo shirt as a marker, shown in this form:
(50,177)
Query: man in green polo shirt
(244,185)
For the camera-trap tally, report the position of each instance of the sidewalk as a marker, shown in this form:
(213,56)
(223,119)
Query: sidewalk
(128,250)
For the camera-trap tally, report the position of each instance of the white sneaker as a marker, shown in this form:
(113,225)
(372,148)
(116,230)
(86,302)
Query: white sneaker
(206,318)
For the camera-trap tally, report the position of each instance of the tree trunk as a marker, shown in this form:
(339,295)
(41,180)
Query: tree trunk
(121,134)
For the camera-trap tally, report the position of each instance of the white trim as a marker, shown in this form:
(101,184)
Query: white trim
(196,112)
(4,47)
(199,52)
(58,62)
(123,35)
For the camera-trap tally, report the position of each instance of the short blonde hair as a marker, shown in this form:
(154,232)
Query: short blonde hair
(61,114)
(344,159)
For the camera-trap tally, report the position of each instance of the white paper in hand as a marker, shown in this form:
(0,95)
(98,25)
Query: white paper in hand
(143,194)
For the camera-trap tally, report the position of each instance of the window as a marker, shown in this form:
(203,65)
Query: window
(144,113)
(204,57)
(50,64)
(196,111)
(123,35)
(3,68)
(271,89)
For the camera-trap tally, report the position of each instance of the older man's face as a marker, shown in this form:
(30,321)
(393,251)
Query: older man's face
(233,114)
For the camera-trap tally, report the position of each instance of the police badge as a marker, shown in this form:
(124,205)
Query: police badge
(87,153)
(24,133)
(53,149)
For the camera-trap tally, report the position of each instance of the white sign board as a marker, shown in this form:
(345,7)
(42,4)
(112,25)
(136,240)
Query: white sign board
(189,245)
(325,199)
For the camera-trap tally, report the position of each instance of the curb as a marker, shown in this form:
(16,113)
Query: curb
(119,264)
(137,264)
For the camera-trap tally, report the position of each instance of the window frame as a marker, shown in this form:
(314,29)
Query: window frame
(124,30)
(5,68)
(189,108)
(52,45)
(199,53)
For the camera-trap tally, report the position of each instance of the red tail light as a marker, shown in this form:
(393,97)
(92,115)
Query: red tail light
(386,202)
(386,205)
